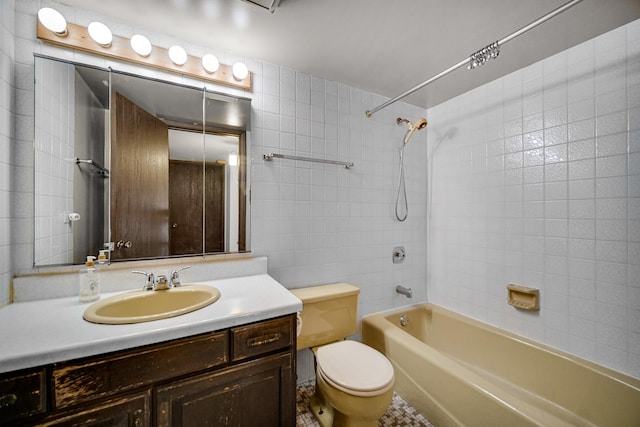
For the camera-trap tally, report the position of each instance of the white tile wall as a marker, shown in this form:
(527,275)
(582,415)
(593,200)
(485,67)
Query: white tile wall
(324,223)
(536,180)
(7,27)
(54,147)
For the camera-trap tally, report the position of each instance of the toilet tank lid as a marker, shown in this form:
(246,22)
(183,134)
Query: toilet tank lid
(324,292)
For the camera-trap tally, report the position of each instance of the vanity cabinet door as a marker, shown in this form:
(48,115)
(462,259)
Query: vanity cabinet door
(128,411)
(22,395)
(256,393)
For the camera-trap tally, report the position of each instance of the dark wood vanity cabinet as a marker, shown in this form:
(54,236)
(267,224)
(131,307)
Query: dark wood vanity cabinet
(243,376)
(239,396)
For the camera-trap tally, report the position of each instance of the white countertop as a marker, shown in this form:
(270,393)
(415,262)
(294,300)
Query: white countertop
(36,333)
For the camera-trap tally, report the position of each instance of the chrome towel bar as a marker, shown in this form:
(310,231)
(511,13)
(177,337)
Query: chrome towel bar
(270,156)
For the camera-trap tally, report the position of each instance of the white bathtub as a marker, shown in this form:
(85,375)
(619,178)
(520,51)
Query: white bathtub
(461,372)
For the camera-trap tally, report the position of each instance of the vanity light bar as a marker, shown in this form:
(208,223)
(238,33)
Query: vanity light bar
(77,37)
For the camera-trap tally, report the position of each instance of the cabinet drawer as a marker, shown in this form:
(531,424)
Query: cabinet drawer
(134,411)
(259,338)
(22,394)
(105,375)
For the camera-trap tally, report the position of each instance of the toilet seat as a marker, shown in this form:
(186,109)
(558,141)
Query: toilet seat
(355,368)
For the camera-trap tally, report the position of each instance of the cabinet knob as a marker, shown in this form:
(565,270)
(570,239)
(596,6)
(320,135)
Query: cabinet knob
(137,420)
(8,400)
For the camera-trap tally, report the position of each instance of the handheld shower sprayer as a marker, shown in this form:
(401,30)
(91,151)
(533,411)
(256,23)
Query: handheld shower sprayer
(419,124)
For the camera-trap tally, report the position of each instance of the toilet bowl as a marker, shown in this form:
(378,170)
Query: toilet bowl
(354,382)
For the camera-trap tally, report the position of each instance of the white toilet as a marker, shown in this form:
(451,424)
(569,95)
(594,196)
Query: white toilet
(354,382)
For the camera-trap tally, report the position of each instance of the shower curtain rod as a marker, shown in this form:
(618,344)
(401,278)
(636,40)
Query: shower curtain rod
(466,61)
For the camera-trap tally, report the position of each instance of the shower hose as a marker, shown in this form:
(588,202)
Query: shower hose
(402,187)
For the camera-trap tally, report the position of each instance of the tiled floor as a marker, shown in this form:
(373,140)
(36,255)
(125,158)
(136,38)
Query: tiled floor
(399,414)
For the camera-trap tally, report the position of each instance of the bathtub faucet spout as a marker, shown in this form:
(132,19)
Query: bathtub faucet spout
(404,291)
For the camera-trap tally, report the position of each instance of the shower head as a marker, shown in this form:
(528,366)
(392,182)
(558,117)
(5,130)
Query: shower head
(419,124)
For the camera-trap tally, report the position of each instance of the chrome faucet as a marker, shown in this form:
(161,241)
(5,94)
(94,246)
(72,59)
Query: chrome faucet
(161,282)
(407,292)
(150,284)
(174,281)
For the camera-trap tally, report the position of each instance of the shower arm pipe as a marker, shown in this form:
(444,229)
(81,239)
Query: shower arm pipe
(465,61)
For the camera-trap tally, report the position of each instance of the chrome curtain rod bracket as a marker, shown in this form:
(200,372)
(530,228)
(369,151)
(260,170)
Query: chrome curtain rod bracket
(467,62)
(270,156)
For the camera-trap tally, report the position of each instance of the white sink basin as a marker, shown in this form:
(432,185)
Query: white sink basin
(145,306)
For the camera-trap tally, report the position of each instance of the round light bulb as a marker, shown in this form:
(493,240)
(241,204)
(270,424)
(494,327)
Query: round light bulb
(141,45)
(53,20)
(240,71)
(178,55)
(210,63)
(100,33)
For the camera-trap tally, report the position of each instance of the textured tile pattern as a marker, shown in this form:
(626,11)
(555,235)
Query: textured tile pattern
(399,414)
(536,181)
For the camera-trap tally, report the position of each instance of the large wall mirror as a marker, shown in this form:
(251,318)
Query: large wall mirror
(145,168)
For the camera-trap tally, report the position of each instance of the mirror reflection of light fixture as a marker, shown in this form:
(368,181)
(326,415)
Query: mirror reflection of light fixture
(210,63)
(100,33)
(178,55)
(141,45)
(240,71)
(233,159)
(53,21)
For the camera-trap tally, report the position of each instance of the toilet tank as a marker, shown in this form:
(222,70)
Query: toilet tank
(329,313)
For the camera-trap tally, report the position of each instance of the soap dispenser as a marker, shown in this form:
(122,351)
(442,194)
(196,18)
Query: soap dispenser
(89,282)
(102,257)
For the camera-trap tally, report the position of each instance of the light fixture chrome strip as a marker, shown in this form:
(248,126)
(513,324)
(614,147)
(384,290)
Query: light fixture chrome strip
(270,156)
(77,37)
(465,61)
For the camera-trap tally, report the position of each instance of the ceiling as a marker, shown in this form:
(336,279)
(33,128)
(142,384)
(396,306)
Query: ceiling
(384,47)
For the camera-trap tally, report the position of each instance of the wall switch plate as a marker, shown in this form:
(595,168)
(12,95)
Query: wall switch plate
(398,254)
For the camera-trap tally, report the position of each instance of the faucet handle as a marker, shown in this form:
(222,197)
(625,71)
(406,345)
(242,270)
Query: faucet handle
(151,280)
(175,276)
